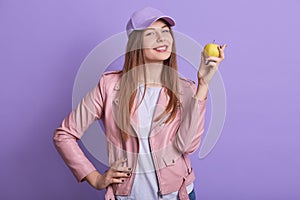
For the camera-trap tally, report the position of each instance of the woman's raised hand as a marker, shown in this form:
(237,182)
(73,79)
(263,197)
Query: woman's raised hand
(209,66)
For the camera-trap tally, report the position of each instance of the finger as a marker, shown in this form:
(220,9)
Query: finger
(203,57)
(124,169)
(121,175)
(213,59)
(212,65)
(207,59)
(223,46)
(221,50)
(116,180)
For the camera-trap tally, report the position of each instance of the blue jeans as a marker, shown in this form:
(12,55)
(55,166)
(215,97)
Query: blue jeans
(192,195)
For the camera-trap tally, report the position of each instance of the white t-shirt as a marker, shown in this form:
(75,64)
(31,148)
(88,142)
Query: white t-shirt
(145,184)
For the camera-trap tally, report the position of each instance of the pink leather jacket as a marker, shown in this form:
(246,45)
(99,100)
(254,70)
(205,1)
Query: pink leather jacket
(170,143)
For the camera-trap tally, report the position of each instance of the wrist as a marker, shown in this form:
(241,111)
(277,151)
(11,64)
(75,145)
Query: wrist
(93,179)
(98,183)
(202,91)
(202,82)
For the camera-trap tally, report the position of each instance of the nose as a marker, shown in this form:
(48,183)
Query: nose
(160,37)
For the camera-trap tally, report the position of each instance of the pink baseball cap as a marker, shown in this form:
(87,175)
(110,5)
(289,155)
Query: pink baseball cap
(141,19)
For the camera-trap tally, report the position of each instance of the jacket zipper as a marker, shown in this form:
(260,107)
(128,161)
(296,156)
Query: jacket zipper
(187,167)
(155,168)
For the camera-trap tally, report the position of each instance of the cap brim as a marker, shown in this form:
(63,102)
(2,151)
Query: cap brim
(169,20)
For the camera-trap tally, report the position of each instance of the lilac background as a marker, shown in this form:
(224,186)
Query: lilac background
(42,44)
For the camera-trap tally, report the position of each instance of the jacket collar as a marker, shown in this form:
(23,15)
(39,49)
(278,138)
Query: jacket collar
(161,105)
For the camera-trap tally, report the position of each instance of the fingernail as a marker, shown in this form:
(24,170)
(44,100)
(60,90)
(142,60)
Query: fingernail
(129,168)
(122,180)
(128,174)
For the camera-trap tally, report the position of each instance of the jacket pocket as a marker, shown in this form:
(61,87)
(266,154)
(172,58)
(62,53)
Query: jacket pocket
(169,161)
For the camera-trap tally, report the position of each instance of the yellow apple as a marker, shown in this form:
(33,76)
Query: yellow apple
(212,50)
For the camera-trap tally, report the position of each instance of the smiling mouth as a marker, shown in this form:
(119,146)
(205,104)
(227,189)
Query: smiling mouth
(161,48)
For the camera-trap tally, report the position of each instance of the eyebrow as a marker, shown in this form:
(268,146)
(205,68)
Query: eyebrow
(156,28)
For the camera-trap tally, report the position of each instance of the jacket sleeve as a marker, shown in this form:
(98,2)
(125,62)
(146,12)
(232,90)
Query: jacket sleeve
(72,128)
(190,130)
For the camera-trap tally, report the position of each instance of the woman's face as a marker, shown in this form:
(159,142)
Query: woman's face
(157,42)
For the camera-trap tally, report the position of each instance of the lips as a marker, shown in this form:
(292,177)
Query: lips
(162,48)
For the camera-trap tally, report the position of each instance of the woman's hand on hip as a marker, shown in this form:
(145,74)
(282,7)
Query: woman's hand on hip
(115,174)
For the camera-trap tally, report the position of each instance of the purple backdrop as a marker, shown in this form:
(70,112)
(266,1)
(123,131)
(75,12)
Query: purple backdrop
(43,43)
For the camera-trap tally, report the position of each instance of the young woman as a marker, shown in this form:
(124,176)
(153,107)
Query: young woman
(153,119)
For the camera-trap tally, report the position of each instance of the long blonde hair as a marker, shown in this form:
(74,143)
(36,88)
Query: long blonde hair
(135,61)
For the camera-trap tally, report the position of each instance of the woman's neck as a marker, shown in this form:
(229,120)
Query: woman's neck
(153,73)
